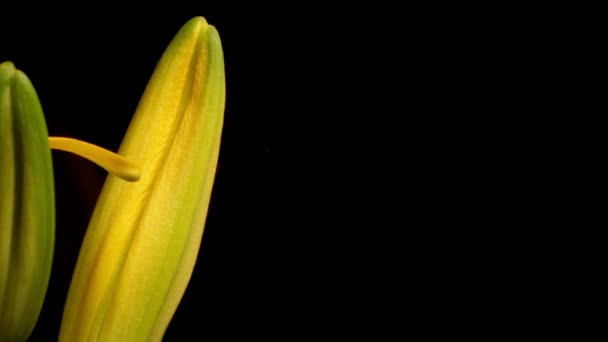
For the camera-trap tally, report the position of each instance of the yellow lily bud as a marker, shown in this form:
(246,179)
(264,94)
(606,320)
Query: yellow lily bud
(141,244)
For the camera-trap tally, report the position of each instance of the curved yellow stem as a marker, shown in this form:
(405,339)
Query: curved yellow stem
(112,162)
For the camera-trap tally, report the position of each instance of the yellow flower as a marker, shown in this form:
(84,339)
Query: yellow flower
(141,244)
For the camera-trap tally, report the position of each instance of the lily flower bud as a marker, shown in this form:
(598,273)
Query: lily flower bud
(143,238)
(27,205)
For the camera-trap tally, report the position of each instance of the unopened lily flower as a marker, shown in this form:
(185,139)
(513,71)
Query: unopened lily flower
(143,238)
(27,205)
(27,200)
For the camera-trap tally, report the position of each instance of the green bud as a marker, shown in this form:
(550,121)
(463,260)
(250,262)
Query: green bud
(27,205)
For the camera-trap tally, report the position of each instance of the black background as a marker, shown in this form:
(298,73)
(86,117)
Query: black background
(349,148)
(254,274)
(363,151)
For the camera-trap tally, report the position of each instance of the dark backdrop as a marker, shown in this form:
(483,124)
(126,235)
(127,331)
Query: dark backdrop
(392,164)
(90,68)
